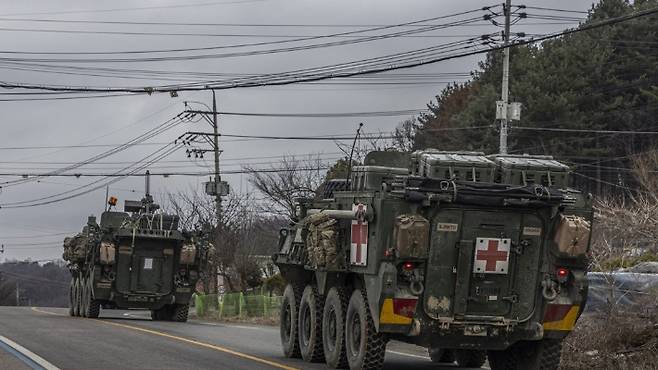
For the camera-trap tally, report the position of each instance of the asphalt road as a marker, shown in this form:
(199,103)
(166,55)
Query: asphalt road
(129,340)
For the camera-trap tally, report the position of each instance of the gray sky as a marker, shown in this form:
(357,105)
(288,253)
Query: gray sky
(115,120)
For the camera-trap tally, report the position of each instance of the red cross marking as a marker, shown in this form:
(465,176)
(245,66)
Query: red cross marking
(359,237)
(491,255)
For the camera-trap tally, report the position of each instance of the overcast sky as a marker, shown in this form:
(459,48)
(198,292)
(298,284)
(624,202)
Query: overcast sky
(117,119)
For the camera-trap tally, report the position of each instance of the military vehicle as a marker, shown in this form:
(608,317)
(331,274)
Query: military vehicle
(136,259)
(468,255)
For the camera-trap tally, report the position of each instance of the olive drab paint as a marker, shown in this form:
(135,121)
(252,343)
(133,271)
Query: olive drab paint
(138,258)
(447,250)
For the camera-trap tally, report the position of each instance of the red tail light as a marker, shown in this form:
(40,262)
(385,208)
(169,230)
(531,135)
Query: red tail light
(404,307)
(408,266)
(562,274)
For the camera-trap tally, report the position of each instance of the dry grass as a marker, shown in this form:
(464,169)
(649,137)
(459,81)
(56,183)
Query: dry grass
(622,339)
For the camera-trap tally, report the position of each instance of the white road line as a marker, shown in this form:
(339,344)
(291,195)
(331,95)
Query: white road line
(29,354)
(407,354)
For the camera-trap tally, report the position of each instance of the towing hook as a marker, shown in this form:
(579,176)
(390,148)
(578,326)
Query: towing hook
(416,287)
(548,290)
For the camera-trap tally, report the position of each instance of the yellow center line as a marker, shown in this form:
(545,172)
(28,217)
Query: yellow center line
(189,341)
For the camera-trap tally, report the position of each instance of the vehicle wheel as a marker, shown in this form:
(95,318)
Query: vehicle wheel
(537,355)
(333,328)
(76,297)
(94,309)
(470,358)
(288,320)
(161,314)
(86,297)
(365,348)
(179,312)
(310,325)
(443,356)
(72,298)
(93,305)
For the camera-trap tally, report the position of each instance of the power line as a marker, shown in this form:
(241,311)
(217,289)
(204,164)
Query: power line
(625,132)
(556,9)
(403,112)
(135,174)
(35,236)
(240,53)
(421,24)
(172,122)
(271,81)
(195,5)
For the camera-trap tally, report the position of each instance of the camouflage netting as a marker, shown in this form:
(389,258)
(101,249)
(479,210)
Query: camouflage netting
(321,241)
(75,247)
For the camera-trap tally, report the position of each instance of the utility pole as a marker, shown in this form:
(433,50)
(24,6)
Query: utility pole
(215,127)
(505,89)
(506,111)
(215,187)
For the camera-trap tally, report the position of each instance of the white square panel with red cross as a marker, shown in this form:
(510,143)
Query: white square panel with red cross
(359,247)
(491,256)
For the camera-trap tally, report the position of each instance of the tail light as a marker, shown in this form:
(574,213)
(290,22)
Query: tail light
(562,274)
(398,311)
(404,307)
(408,266)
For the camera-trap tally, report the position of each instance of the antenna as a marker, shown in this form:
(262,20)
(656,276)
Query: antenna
(107,196)
(349,164)
(148,183)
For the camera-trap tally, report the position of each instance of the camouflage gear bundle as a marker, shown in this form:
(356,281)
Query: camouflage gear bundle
(321,240)
(75,247)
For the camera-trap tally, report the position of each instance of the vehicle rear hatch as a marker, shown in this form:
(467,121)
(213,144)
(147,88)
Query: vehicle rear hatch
(483,265)
(145,266)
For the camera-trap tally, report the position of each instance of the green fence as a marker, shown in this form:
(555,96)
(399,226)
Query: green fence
(237,305)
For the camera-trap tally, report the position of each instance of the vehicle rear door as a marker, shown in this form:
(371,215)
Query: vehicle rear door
(146,268)
(483,264)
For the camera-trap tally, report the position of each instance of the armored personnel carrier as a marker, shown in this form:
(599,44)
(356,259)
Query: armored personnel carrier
(470,256)
(135,259)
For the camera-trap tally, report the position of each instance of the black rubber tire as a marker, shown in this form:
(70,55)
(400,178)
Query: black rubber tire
(536,355)
(365,348)
(441,356)
(72,298)
(93,307)
(333,328)
(292,295)
(310,325)
(470,358)
(179,312)
(76,297)
(86,297)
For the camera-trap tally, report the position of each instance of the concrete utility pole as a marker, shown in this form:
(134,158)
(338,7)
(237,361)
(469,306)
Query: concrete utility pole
(505,89)
(215,187)
(215,127)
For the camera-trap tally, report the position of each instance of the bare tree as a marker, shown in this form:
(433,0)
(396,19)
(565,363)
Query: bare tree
(293,178)
(241,234)
(627,224)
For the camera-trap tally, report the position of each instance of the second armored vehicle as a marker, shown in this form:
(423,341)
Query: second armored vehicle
(136,259)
